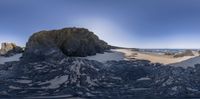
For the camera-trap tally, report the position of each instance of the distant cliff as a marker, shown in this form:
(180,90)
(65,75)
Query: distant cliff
(68,41)
(9,49)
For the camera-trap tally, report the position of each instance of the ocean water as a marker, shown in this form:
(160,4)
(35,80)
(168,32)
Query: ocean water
(162,51)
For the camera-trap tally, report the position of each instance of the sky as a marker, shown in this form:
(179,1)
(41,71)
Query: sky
(126,23)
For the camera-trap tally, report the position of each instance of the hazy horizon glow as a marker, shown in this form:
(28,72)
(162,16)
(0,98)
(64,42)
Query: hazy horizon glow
(126,23)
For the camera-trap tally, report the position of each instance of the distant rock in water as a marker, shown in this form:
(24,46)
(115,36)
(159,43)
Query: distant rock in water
(185,53)
(10,49)
(65,42)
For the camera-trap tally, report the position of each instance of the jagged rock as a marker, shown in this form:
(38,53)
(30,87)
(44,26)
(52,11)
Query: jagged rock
(185,53)
(9,49)
(92,79)
(68,41)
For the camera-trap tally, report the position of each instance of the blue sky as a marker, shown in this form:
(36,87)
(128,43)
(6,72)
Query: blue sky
(128,23)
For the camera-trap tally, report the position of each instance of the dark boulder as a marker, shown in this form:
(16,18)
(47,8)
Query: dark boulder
(185,53)
(78,42)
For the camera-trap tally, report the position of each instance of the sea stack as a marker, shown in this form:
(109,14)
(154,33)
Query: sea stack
(76,42)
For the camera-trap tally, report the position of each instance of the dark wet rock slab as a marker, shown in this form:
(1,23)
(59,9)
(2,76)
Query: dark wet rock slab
(86,78)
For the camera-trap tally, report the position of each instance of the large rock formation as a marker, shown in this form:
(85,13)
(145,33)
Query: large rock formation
(9,49)
(68,41)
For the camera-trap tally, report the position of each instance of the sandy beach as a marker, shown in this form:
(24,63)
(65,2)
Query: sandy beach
(164,59)
(9,59)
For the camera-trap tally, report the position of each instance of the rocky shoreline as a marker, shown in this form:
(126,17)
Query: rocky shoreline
(47,68)
(86,78)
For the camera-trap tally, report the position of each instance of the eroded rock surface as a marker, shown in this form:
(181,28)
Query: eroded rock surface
(76,77)
(9,49)
(68,41)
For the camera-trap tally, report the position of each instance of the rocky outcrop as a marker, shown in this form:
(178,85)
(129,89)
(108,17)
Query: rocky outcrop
(65,42)
(185,53)
(9,49)
(73,77)
(76,77)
